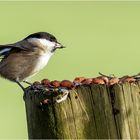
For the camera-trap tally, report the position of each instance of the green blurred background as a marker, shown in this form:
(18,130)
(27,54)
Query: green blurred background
(100,37)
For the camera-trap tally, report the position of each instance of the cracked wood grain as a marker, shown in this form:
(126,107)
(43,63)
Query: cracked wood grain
(89,112)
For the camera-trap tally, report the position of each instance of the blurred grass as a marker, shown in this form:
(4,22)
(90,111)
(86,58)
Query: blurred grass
(100,37)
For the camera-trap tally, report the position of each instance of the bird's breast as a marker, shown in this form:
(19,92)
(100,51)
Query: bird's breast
(41,62)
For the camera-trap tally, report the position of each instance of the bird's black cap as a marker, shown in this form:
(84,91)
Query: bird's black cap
(42,35)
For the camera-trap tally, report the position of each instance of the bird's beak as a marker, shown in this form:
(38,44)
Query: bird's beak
(59,46)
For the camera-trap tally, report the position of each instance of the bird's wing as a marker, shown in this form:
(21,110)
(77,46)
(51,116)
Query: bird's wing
(22,45)
(4,50)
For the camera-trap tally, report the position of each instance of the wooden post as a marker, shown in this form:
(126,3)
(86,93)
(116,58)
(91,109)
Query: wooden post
(89,112)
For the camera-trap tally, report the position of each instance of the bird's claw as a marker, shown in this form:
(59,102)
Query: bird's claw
(37,87)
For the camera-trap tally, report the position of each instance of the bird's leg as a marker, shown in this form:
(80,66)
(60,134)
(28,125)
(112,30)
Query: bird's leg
(27,82)
(20,85)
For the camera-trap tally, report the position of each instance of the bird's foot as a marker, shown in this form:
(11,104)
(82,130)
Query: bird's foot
(37,86)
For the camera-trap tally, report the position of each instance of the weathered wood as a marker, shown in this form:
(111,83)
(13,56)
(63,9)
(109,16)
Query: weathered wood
(119,110)
(89,112)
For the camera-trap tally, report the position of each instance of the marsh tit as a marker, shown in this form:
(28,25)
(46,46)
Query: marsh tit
(27,57)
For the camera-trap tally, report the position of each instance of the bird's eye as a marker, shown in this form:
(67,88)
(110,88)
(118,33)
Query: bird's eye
(52,39)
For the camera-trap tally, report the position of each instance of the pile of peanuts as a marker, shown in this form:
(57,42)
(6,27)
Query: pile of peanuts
(85,81)
(61,88)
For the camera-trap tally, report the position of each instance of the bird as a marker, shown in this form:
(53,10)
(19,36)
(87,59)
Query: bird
(25,58)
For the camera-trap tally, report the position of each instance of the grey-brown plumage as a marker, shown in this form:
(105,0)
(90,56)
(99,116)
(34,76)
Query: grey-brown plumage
(27,57)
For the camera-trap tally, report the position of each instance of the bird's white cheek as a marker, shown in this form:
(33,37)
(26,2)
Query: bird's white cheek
(47,43)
